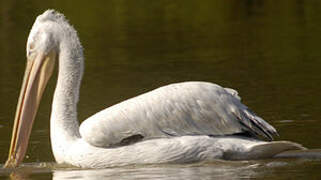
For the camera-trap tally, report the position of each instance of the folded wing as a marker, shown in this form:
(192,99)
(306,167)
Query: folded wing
(189,108)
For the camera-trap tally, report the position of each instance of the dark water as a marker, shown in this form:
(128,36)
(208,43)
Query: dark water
(268,50)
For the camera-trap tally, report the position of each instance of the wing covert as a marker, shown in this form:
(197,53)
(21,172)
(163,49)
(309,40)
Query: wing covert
(189,108)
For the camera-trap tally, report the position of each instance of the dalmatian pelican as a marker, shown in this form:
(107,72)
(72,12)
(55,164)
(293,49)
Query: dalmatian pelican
(178,123)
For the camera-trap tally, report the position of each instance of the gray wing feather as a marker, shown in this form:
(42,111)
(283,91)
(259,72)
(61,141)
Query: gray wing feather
(189,108)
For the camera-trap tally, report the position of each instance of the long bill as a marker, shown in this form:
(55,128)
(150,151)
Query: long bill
(38,71)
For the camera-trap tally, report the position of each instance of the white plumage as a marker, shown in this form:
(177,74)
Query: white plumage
(189,108)
(178,123)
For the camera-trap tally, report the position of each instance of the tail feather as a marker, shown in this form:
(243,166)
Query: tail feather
(264,150)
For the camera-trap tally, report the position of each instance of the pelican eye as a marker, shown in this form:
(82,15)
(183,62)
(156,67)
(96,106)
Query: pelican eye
(31,48)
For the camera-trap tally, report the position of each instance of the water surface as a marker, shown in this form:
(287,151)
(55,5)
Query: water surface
(268,50)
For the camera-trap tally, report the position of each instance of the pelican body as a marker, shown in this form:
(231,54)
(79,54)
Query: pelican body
(178,123)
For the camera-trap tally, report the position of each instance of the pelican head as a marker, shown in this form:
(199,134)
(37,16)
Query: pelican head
(42,51)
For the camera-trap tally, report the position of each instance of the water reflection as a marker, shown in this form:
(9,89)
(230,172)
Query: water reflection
(277,169)
(166,172)
(220,169)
